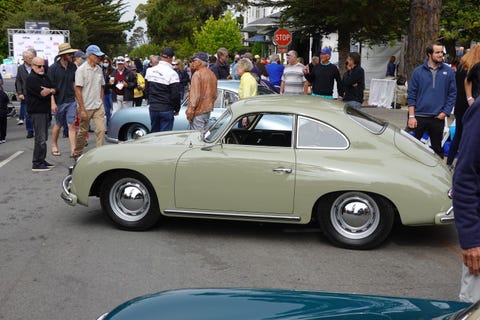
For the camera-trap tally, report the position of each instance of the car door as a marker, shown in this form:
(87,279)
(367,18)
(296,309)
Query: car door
(237,178)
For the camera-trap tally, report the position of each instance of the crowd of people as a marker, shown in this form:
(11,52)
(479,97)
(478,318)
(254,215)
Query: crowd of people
(165,81)
(82,90)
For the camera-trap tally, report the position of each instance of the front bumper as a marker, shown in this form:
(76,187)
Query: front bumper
(66,195)
(445,217)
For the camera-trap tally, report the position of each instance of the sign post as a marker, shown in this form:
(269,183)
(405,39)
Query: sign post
(282,38)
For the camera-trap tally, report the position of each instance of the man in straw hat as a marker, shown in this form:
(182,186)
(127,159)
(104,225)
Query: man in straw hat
(62,75)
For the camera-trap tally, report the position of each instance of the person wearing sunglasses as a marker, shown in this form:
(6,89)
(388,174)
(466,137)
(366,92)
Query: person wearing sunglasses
(40,91)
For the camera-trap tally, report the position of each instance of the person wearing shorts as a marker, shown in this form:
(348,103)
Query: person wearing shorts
(62,75)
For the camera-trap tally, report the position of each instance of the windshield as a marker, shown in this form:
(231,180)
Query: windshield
(367,121)
(218,127)
(470,313)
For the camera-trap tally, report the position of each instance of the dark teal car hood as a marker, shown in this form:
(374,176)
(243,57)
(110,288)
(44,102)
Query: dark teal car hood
(262,304)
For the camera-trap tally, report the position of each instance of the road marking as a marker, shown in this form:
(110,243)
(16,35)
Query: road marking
(13,156)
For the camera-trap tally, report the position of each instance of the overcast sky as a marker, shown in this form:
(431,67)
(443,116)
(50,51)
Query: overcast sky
(130,13)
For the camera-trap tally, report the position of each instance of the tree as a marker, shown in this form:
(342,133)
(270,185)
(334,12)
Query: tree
(171,21)
(89,21)
(59,20)
(145,50)
(423,29)
(459,23)
(137,38)
(102,20)
(223,32)
(360,20)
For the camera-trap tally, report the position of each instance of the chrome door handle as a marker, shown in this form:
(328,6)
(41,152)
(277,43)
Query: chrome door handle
(282,170)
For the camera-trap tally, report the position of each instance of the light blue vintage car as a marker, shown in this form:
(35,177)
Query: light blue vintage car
(268,304)
(131,123)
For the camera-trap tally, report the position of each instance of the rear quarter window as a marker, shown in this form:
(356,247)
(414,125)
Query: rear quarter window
(365,120)
(313,134)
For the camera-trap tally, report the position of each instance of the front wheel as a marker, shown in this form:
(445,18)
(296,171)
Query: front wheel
(356,220)
(129,201)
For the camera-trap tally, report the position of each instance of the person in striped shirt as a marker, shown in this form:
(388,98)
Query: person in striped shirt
(293,78)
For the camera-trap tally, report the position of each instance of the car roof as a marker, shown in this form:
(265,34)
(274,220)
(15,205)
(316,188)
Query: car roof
(300,104)
(228,85)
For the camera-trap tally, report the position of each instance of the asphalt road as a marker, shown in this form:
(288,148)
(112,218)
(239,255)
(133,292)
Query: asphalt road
(62,262)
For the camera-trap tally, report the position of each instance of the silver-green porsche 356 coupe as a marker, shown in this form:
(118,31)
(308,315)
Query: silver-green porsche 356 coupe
(298,159)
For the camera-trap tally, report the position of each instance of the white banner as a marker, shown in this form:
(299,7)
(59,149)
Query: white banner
(46,45)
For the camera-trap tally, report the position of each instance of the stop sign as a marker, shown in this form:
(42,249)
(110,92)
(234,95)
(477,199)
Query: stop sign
(282,37)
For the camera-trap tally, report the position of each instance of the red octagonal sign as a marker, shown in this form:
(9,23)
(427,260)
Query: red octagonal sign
(282,37)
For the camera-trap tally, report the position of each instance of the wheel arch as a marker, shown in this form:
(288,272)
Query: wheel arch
(325,197)
(95,189)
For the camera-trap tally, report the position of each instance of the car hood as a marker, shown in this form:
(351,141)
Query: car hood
(187,137)
(263,304)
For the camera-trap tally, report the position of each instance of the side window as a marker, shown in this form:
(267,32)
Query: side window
(262,129)
(318,135)
(218,102)
(229,98)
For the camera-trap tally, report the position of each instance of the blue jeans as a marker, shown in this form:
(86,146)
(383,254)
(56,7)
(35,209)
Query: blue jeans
(456,140)
(161,120)
(24,116)
(108,105)
(354,104)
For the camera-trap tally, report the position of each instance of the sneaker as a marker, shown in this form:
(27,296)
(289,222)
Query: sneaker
(29,135)
(48,164)
(19,122)
(40,167)
(3,141)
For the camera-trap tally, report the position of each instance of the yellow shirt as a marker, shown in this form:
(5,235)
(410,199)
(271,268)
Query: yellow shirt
(248,86)
(138,90)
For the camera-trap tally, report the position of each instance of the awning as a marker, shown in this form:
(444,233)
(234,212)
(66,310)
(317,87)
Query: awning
(256,38)
(263,25)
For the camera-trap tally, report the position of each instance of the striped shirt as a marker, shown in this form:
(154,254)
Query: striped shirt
(293,78)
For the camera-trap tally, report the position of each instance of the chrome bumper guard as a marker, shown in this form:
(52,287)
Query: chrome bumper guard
(445,218)
(66,195)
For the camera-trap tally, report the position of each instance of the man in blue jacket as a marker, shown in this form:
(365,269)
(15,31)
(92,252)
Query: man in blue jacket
(466,203)
(431,96)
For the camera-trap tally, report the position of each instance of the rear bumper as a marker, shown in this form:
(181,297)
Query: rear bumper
(445,217)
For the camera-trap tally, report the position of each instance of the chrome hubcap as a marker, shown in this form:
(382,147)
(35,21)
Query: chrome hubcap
(355,215)
(130,199)
(138,133)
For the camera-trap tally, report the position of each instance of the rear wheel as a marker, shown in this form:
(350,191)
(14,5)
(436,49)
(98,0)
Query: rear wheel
(134,131)
(356,220)
(129,201)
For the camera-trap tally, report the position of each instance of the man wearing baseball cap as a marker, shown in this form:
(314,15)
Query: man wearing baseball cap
(162,88)
(89,82)
(203,92)
(62,76)
(123,86)
(323,75)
